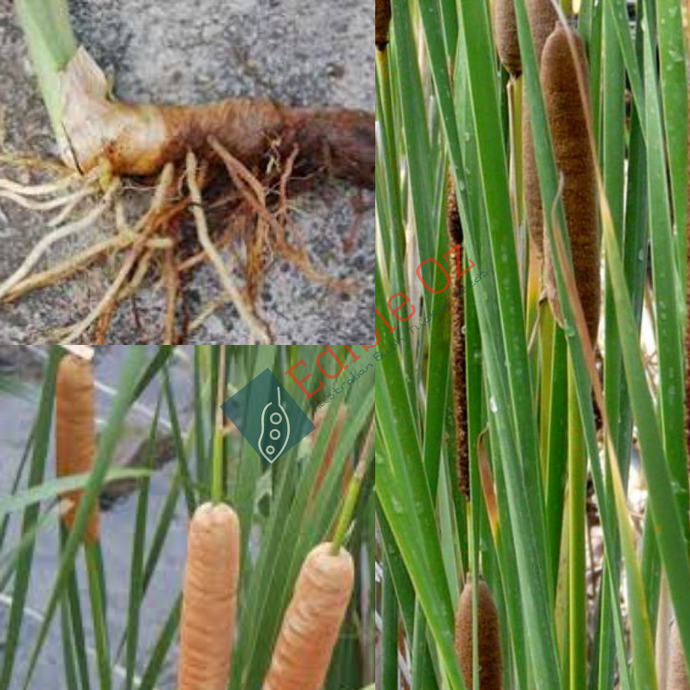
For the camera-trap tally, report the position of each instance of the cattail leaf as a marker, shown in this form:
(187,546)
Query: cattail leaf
(667,290)
(673,79)
(55,487)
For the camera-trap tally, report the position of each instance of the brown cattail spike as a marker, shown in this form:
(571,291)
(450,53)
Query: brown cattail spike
(533,209)
(542,17)
(75,433)
(383,20)
(489,643)
(312,622)
(458,344)
(507,36)
(677,677)
(567,116)
(209,605)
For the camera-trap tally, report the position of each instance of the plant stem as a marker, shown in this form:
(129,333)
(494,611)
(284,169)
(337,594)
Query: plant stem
(49,36)
(390,630)
(577,472)
(353,492)
(554,431)
(97,594)
(218,443)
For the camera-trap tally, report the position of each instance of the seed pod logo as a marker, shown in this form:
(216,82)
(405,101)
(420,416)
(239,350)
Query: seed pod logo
(277,423)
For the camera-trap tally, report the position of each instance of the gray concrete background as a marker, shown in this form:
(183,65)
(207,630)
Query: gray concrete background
(302,52)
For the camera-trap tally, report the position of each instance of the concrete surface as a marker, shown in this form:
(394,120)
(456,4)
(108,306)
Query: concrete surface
(302,52)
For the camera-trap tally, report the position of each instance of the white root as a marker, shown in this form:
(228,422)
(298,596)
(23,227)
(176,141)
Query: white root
(106,300)
(255,326)
(70,266)
(57,185)
(67,200)
(122,240)
(69,208)
(39,189)
(39,250)
(138,277)
(206,312)
(164,184)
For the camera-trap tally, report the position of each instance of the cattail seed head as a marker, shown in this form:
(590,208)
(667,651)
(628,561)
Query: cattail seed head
(312,622)
(530,177)
(542,17)
(506,32)
(383,20)
(209,604)
(567,116)
(458,345)
(489,642)
(75,433)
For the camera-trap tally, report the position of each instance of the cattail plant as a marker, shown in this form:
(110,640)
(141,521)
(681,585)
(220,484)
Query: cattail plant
(489,660)
(98,627)
(75,432)
(564,502)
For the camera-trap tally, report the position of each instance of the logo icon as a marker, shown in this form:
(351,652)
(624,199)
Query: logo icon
(277,419)
(268,417)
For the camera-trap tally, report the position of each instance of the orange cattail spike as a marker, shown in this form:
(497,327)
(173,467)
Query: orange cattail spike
(312,621)
(75,433)
(207,627)
(489,643)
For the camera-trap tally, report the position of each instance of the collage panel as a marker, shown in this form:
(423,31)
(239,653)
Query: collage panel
(176,172)
(186,518)
(533,347)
